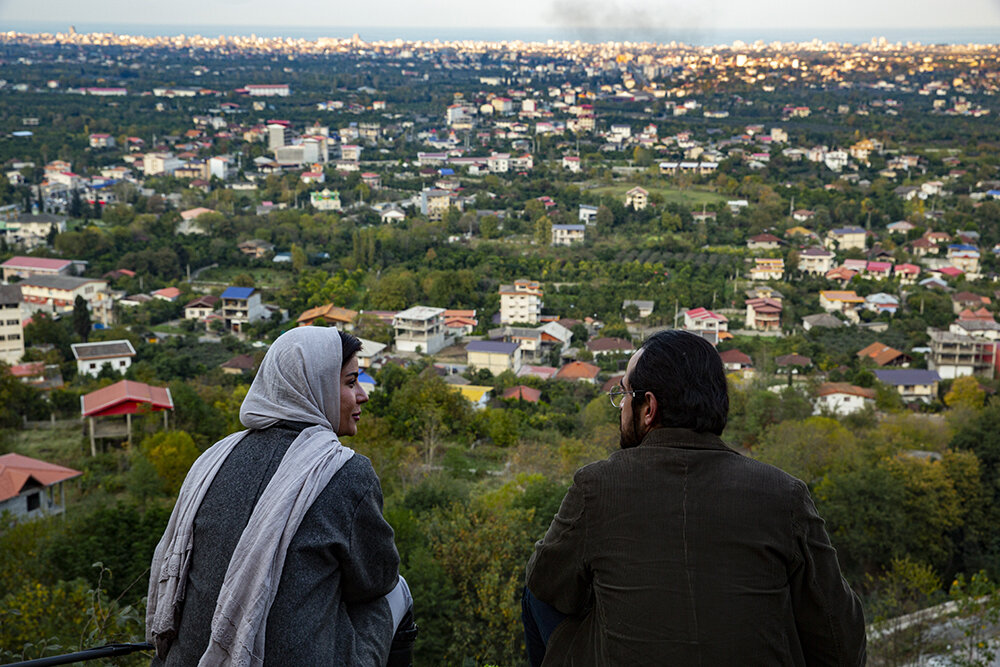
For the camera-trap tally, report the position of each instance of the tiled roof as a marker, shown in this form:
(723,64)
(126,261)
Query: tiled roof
(524,393)
(907,376)
(828,388)
(577,370)
(105,400)
(17,470)
(43,263)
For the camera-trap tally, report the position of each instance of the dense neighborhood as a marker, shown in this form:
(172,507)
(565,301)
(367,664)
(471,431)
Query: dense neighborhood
(502,225)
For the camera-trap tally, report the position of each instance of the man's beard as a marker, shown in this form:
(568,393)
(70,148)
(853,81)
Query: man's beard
(628,436)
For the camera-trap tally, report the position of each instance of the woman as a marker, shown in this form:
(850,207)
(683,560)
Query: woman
(276,551)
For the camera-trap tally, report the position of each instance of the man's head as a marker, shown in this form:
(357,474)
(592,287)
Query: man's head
(678,381)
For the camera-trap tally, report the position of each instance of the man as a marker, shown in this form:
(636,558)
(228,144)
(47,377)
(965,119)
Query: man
(677,550)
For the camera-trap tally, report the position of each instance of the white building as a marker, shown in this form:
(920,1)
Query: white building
(568,234)
(92,357)
(420,329)
(57,294)
(11,331)
(841,398)
(521,302)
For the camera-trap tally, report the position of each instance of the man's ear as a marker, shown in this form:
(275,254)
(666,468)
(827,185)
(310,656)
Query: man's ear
(650,410)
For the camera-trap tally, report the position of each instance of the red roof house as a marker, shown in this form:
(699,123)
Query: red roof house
(23,481)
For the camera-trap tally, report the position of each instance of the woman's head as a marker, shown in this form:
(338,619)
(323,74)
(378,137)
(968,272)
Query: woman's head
(300,379)
(352,394)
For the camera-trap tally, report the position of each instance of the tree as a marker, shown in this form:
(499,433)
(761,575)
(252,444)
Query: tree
(81,318)
(965,392)
(543,230)
(298,258)
(808,449)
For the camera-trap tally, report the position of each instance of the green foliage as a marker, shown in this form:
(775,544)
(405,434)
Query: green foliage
(171,453)
(810,448)
(977,614)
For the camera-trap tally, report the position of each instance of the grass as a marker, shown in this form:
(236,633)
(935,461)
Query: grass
(63,445)
(689,198)
(263,278)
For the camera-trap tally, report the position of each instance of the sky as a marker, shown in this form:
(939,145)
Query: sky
(661,15)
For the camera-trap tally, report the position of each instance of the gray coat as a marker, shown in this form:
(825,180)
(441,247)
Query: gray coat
(329,608)
(683,552)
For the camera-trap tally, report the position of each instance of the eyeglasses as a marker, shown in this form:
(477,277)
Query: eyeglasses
(617,395)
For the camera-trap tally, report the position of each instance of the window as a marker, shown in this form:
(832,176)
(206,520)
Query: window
(93,365)
(16,336)
(13,322)
(121,364)
(34,501)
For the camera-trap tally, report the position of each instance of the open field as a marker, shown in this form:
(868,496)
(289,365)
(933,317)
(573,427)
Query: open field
(689,198)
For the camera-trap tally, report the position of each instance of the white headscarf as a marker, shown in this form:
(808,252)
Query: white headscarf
(299,380)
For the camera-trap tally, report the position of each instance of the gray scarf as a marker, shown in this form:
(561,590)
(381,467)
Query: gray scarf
(299,381)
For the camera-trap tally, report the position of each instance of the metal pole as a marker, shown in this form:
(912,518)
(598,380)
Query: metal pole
(106,651)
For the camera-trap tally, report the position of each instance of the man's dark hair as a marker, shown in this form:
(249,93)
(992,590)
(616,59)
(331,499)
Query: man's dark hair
(687,377)
(350,346)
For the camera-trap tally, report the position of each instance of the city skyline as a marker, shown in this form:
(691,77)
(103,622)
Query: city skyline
(563,17)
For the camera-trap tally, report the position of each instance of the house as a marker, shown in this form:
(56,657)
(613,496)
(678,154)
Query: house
(420,329)
(537,344)
(170,294)
(371,354)
(840,274)
(842,398)
(767,269)
(31,231)
(567,234)
(335,316)
(478,395)
(495,356)
(988,329)
(637,198)
(189,221)
(956,355)
(92,357)
(644,308)
(434,203)
(25,267)
(763,242)
(883,355)
(821,320)
(846,238)
(522,393)
(540,372)
(913,384)
(881,302)
(571,163)
(241,307)
(703,319)
(241,364)
(325,200)
(763,314)
(843,301)
(460,322)
(968,300)
(815,261)
(578,371)
(734,360)
(256,248)
(521,302)
(906,273)
(793,362)
(878,271)
(392,213)
(57,294)
(200,308)
(602,346)
(31,488)
(11,327)
(588,214)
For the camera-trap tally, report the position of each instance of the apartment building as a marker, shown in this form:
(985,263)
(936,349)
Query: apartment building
(11,331)
(521,302)
(420,329)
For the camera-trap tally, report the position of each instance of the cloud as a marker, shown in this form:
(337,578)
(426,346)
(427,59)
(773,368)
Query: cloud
(634,20)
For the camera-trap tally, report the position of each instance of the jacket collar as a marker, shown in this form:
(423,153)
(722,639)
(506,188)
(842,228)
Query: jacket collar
(685,438)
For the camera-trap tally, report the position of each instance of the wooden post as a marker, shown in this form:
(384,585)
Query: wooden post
(128,425)
(165,420)
(93,445)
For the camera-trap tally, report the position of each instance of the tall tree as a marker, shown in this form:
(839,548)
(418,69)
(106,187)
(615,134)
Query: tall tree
(81,318)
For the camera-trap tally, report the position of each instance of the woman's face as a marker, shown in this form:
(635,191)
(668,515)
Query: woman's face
(351,398)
